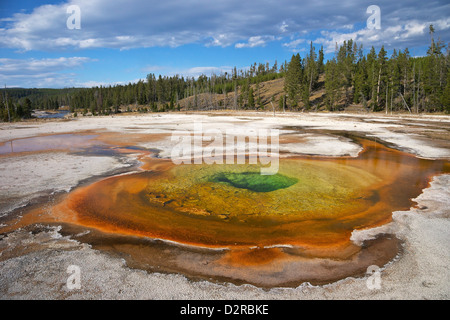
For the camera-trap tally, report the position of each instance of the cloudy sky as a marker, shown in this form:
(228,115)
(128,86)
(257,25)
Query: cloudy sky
(100,42)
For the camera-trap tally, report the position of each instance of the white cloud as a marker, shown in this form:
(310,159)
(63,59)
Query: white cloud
(11,66)
(126,24)
(208,71)
(50,72)
(294,44)
(220,40)
(256,41)
(284,27)
(401,35)
(194,72)
(90,84)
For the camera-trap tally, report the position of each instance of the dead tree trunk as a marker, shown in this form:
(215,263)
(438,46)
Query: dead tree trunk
(406,105)
(378,86)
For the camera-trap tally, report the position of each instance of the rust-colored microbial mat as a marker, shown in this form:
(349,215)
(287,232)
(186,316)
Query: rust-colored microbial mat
(278,230)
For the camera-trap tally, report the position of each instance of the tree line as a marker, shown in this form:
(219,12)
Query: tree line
(398,82)
(374,81)
(155,94)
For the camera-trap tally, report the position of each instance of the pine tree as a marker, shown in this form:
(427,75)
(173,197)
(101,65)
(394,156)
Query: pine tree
(345,65)
(395,78)
(311,69)
(372,73)
(251,99)
(446,94)
(320,64)
(435,74)
(293,81)
(382,78)
(331,83)
(360,82)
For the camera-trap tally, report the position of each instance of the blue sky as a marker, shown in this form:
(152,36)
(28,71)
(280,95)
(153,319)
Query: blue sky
(122,41)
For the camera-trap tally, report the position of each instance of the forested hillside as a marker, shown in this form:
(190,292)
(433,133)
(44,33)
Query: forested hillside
(372,81)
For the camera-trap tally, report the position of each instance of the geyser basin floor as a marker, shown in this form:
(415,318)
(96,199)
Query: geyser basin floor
(33,264)
(281,237)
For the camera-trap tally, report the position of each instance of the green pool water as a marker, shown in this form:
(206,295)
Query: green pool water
(301,188)
(254,181)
